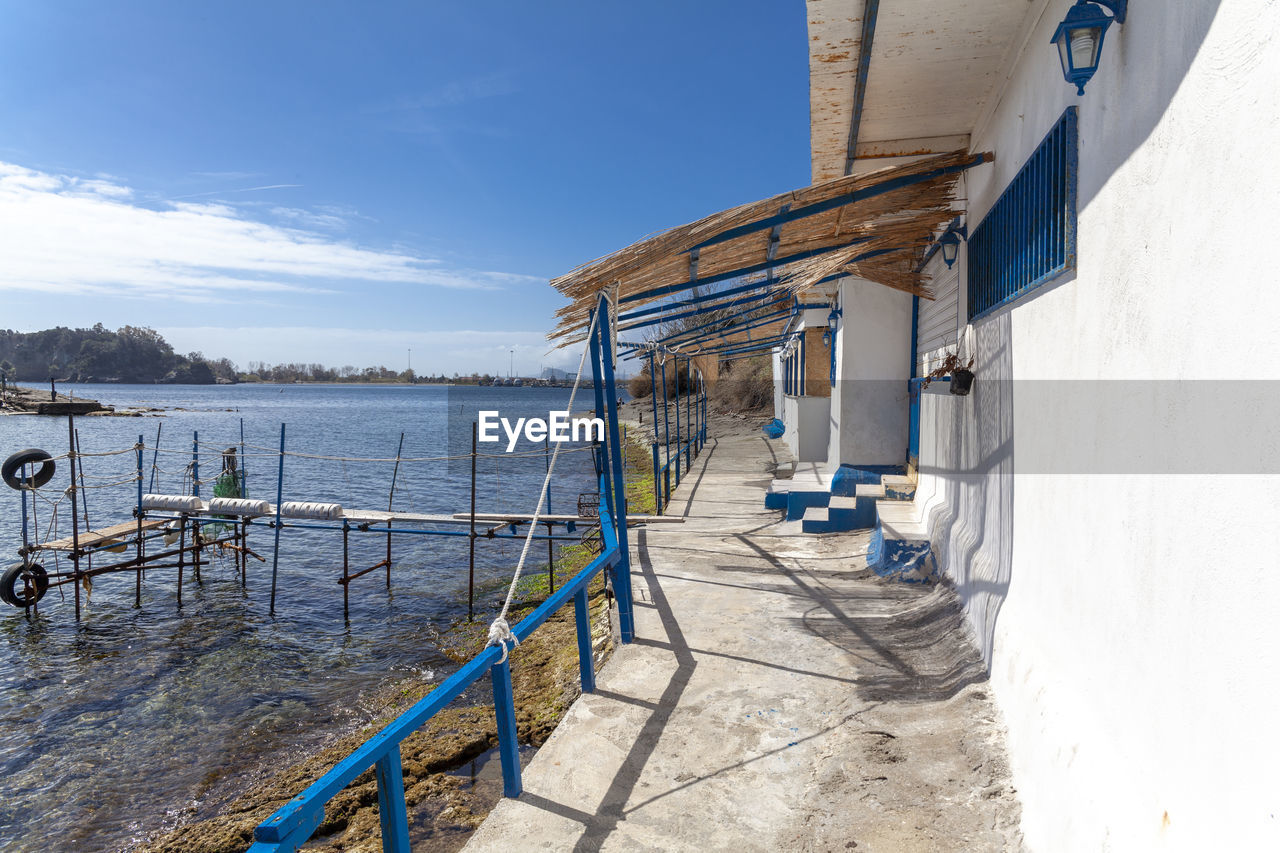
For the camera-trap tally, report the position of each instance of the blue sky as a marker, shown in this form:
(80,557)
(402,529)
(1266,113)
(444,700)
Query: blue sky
(341,182)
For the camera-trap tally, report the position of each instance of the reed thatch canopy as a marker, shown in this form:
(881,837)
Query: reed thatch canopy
(874,225)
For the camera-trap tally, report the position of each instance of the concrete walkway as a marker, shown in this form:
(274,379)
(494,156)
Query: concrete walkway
(778,697)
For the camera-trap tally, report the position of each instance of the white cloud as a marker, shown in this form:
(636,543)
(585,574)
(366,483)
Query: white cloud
(70,235)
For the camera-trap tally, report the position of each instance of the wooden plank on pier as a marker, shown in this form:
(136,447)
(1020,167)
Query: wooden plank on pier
(561,519)
(94,538)
(373,516)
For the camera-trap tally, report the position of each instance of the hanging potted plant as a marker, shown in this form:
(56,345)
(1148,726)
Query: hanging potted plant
(960,372)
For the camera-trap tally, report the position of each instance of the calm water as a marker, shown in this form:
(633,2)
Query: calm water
(112,727)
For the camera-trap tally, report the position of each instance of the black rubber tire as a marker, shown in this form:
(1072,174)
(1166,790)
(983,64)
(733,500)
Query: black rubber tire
(13,465)
(13,590)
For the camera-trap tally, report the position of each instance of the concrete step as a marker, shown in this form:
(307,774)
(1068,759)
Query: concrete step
(870,490)
(898,487)
(808,487)
(900,546)
(840,515)
(902,520)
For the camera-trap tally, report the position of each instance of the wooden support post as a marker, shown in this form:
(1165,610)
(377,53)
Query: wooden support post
(391,806)
(504,710)
(586,662)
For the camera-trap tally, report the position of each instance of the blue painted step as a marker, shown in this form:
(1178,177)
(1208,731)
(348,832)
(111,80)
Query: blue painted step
(842,514)
(900,546)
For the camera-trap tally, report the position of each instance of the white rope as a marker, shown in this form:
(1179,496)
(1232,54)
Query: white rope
(499,630)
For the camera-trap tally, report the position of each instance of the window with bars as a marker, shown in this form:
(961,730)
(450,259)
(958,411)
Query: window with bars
(1028,237)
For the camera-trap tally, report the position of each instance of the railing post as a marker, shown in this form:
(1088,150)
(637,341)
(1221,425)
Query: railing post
(504,709)
(275,554)
(679,446)
(666,421)
(622,571)
(653,396)
(391,807)
(586,662)
(657,487)
(137,575)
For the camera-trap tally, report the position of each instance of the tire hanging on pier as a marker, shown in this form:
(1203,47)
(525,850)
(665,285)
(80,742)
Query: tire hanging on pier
(14,588)
(13,466)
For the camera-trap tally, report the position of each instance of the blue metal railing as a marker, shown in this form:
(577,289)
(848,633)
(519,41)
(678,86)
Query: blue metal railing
(680,462)
(293,823)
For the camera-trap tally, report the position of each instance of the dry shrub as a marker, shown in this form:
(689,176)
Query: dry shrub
(678,381)
(640,385)
(745,385)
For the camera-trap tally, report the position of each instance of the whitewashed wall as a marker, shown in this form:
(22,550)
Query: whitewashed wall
(806,419)
(1130,617)
(869,398)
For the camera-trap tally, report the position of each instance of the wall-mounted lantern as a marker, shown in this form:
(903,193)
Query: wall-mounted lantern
(949,243)
(1079,38)
(829,333)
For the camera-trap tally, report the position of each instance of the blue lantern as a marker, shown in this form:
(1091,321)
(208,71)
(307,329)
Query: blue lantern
(1079,38)
(950,245)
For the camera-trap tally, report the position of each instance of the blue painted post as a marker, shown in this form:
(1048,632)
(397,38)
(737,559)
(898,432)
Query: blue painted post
(26,524)
(666,426)
(653,395)
(679,451)
(688,413)
(602,464)
(137,582)
(704,410)
(657,489)
(504,709)
(244,465)
(586,663)
(195,490)
(622,571)
(391,806)
(275,557)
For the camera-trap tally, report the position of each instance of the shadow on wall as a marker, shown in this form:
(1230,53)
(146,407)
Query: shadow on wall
(1152,63)
(966,481)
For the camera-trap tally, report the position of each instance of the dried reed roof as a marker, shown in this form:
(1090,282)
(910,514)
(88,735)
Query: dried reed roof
(879,237)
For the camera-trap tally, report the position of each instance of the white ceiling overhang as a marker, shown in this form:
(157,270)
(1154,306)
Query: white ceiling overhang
(932,68)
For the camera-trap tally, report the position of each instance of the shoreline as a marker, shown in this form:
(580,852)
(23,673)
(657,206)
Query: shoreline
(446,804)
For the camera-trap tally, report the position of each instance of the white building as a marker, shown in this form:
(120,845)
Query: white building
(1105,499)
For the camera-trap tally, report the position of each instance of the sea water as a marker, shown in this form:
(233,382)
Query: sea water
(137,716)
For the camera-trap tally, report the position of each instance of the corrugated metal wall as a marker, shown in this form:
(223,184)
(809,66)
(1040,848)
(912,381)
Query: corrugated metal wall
(936,326)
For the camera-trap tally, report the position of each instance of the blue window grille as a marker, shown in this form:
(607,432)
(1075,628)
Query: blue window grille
(1029,236)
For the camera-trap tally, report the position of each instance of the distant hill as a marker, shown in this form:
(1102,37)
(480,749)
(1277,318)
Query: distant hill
(129,354)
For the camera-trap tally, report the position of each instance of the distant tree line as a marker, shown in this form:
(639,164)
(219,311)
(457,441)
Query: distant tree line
(137,354)
(129,354)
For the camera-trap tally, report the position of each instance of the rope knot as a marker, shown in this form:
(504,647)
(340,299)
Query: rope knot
(499,635)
